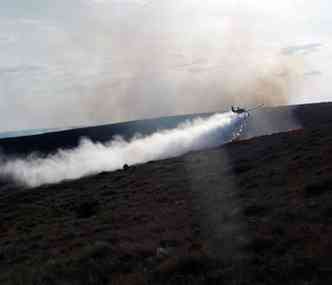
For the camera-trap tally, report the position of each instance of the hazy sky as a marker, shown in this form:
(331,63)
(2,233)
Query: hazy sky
(92,61)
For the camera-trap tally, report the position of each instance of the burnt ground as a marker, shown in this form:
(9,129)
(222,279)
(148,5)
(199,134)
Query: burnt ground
(257,211)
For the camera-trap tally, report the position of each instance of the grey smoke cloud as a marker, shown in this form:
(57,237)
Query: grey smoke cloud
(120,60)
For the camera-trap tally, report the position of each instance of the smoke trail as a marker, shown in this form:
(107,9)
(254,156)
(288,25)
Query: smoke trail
(91,158)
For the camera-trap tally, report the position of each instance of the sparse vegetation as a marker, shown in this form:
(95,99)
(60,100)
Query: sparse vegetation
(249,221)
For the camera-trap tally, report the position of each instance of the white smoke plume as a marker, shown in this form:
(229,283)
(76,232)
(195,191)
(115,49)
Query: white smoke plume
(91,158)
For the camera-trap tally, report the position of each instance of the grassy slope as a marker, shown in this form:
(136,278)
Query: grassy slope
(256,211)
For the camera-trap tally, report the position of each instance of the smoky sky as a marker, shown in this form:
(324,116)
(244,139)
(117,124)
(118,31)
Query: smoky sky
(86,62)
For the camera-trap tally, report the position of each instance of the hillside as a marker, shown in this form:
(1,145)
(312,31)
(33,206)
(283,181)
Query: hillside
(257,211)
